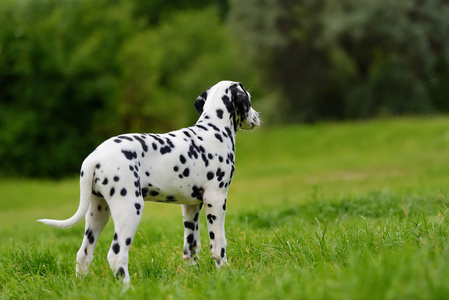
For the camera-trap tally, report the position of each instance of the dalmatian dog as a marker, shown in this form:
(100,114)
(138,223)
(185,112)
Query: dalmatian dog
(192,166)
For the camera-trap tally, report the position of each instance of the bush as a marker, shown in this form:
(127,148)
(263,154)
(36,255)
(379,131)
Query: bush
(57,71)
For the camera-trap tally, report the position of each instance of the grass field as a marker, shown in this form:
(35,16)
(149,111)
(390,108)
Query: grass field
(330,211)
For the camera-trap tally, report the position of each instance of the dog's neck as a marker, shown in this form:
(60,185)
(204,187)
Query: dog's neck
(226,127)
(227,121)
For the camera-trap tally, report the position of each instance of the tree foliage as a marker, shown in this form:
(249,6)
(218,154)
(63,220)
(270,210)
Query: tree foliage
(349,58)
(75,72)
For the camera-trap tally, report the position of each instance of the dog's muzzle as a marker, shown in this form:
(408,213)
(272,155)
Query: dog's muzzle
(252,121)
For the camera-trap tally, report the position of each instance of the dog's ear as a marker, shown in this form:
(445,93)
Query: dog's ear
(240,97)
(199,102)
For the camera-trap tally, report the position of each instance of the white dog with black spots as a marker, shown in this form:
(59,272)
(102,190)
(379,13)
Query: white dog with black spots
(192,166)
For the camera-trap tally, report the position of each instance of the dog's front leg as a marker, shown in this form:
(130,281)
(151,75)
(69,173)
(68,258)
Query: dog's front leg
(192,244)
(215,207)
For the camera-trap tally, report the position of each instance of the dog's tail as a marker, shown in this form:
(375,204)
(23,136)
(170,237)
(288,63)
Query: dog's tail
(86,178)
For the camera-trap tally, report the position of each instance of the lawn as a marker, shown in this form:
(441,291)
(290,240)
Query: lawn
(330,211)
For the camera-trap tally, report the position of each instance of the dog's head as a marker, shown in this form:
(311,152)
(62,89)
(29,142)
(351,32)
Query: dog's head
(228,99)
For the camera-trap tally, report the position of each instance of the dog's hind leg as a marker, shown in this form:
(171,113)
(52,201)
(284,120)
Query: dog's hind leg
(96,219)
(192,244)
(215,208)
(126,213)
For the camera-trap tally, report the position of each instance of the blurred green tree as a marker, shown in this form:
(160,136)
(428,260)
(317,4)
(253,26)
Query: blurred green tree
(58,70)
(349,58)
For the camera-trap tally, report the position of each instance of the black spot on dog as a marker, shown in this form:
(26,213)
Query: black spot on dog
(220,174)
(211,218)
(125,138)
(218,137)
(85,250)
(193,246)
(105,181)
(195,218)
(123,192)
(142,142)
(227,102)
(213,127)
(138,207)
(129,154)
(128,241)
(206,161)
(97,166)
(186,172)
(99,207)
(202,127)
(147,173)
(170,144)
(176,169)
(111,192)
(220,113)
(182,159)
(117,140)
(231,157)
(154,146)
(82,173)
(189,225)
(144,192)
(223,252)
(224,205)
(116,178)
(115,236)
(120,272)
(157,138)
(154,193)
(211,235)
(116,248)
(210,175)
(170,199)
(190,238)
(90,236)
(165,150)
(197,193)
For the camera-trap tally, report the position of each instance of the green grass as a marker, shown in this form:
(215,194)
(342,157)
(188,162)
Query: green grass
(331,211)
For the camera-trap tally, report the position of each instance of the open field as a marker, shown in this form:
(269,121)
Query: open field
(330,211)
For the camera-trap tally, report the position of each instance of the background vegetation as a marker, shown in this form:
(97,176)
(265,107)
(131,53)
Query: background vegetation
(75,72)
(339,211)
